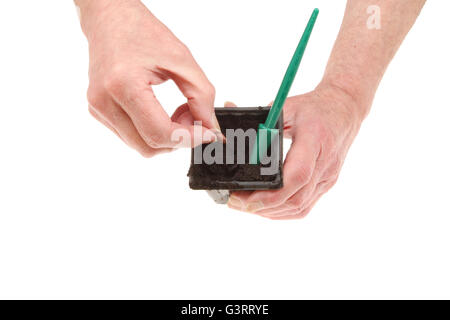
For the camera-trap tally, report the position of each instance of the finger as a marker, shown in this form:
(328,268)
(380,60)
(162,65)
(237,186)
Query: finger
(289,110)
(299,214)
(182,115)
(307,197)
(151,121)
(100,119)
(237,202)
(298,170)
(117,120)
(295,203)
(198,90)
(229,104)
(319,190)
(290,215)
(232,204)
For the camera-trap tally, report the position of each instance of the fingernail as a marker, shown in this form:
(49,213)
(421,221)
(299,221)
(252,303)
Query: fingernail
(229,104)
(235,201)
(254,206)
(210,136)
(215,122)
(220,136)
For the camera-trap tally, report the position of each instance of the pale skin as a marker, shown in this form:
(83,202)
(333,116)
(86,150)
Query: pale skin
(322,124)
(130,50)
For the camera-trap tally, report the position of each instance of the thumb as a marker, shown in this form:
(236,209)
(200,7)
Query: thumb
(198,90)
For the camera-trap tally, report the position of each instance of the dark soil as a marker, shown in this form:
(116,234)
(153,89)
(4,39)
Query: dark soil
(236,176)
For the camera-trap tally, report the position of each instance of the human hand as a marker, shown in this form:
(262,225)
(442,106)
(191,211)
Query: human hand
(322,125)
(130,50)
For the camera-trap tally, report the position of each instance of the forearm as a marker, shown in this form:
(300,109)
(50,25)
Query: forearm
(361,54)
(91,10)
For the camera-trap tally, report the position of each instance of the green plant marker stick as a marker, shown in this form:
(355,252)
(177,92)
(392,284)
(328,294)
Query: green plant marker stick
(288,79)
(283,92)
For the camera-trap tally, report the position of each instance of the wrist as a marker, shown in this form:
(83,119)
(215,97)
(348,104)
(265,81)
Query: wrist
(357,101)
(343,101)
(92,11)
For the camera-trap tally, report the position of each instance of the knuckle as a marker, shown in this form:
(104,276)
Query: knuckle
(115,80)
(95,98)
(154,140)
(302,213)
(296,202)
(333,170)
(272,199)
(333,177)
(331,183)
(147,153)
(316,126)
(299,202)
(322,130)
(335,166)
(92,112)
(302,173)
(204,92)
(319,129)
(180,51)
(210,90)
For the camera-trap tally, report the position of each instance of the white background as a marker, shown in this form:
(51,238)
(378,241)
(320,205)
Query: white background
(83,216)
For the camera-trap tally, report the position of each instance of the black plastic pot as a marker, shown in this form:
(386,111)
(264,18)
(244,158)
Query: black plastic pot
(237,176)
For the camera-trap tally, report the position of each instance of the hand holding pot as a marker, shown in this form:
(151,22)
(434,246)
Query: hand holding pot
(322,125)
(130,50)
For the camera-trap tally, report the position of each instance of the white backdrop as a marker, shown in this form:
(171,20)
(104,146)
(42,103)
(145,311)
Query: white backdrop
(83,216)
